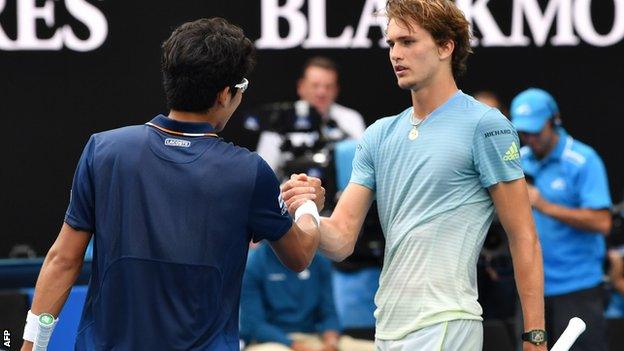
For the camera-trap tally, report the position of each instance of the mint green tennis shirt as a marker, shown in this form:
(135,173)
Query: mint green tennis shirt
(434,208)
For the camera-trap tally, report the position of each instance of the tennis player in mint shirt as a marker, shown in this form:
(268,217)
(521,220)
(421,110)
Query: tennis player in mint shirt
(438,170)
(172,209)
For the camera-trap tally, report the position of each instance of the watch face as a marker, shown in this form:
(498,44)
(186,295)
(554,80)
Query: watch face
(537,336)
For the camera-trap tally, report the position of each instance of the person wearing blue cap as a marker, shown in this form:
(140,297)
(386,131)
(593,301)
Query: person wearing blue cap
(570,199)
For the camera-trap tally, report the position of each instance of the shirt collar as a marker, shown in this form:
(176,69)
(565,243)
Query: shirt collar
(182,127)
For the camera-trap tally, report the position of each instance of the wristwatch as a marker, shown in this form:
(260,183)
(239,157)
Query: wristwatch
(535,337)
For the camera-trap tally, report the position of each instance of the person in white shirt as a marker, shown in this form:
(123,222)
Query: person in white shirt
(318,89)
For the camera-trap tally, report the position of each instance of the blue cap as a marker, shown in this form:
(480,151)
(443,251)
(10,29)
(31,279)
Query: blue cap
(531,109)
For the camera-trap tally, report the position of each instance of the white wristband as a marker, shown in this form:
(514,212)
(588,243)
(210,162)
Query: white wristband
(308,207)
(31,329)
(32,325)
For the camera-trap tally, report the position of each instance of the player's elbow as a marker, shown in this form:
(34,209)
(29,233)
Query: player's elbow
(298,268)
(64,261)
(524,241)
(341,253)
(339,257)
(346,252)
(300,264)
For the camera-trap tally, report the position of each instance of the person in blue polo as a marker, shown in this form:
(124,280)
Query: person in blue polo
(172,209)
(570,199)
(285,311)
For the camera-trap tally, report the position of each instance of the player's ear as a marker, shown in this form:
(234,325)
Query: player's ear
(446,50)
(223,97)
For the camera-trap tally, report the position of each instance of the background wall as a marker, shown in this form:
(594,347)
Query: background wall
(53,96)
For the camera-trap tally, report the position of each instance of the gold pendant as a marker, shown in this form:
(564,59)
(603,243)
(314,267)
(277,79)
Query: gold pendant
(413,134)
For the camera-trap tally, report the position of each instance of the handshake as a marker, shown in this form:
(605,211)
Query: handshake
(303,194)
(300,188)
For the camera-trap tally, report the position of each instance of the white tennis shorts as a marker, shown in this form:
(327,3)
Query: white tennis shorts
(457,335)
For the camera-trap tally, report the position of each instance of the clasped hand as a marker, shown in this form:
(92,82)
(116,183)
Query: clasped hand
(300,188)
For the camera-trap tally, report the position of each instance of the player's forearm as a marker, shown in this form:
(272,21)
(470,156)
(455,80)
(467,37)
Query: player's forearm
(55,280)
(309,238)
(337,240)
(528,267)
(583,219)
(58,274)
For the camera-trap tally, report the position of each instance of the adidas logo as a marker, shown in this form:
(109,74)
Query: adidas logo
(512,153)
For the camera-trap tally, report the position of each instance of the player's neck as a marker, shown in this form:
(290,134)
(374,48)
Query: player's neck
(196,117)
(428,98)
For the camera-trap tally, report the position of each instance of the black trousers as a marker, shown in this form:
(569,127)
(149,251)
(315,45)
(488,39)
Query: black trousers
(586,304)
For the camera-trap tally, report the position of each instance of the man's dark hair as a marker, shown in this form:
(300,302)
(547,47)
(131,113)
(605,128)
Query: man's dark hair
(319,61)
(201,58)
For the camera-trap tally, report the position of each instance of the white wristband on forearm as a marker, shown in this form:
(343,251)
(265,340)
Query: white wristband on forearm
(32,328)
(32,324)
(308,207)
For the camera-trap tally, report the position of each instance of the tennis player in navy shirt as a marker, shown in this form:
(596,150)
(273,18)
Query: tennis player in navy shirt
(172,209)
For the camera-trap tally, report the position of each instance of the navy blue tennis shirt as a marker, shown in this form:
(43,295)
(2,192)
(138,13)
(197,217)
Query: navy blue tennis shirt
(172,217)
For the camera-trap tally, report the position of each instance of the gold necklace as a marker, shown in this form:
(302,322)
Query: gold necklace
(413,134)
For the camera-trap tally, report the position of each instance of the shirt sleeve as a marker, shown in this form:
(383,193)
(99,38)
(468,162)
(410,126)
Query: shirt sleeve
(496,150)
(593,184)
(268,216)
(80,213)
(328,317)
(254,325)
(363,172)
